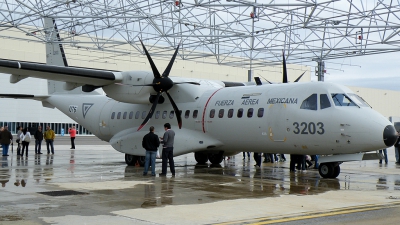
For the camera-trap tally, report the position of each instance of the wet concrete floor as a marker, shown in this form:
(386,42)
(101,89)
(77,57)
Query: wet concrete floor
(93,185)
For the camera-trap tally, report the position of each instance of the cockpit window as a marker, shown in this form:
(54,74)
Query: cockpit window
(324,101)
(342,100)
(358,100)
(310,103)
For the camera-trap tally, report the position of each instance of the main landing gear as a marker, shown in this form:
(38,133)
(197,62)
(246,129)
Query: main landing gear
(214,158)
(133,160)
(329,170)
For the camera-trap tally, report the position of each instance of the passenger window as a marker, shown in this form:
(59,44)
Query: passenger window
(130,115)
(187,113)
(250,112)
(240,113)
(112,115)
(164,114)
(342,100)
(310,103)
(195,112)
(137,115)
(212,113)
(324,101)
(157,114)
(230,113)
(119,115)
(260,112)
(171,114)
(124,116)
(221,113)
(144,114)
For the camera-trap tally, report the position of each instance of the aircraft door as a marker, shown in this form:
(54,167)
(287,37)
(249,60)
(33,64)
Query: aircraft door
(104,119)
(277,122)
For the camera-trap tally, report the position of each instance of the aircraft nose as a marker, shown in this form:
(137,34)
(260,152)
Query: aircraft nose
(389,135)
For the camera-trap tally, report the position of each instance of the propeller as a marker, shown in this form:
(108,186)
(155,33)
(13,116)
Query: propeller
(162,83)
(284,79)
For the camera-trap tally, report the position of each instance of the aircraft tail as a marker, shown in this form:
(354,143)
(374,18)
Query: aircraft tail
(55,55)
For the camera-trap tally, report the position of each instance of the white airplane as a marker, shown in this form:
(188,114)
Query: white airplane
(213,120)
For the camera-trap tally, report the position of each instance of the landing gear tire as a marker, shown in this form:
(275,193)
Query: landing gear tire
(336,171)
(200,157)
(326,170)
(142,160)
(215,158)
(130,159)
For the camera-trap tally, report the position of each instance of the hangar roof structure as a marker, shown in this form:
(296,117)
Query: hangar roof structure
(257,32)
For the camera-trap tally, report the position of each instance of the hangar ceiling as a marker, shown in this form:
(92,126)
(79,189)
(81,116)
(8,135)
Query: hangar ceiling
(309,31)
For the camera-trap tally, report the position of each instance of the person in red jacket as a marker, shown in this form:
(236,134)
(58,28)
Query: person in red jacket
(72,134)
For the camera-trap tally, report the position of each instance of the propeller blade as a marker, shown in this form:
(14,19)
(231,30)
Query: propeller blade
(284,80)
(177,112)
(171,62)
(153,66)
(297,80)
(150,114)
(195,83)
(258,81)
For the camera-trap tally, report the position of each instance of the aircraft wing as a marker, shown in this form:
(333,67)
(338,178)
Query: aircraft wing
(20,70)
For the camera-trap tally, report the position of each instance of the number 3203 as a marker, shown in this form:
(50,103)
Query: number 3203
(308,128)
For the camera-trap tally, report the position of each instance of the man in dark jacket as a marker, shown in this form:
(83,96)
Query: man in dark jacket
(150,143)
(38,140)
(5,140)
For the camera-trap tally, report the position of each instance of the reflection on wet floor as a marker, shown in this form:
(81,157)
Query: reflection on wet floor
(194,184)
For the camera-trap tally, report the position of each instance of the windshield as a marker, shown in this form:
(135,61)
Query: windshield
(342,100)
(358,100)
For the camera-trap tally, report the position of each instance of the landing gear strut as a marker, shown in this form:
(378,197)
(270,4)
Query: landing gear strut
(329,170)
(132,160)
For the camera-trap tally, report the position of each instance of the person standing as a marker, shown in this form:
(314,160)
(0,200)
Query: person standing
(25,139)
(49,137)
(19,132)
(168,150)
(5,140)
(396,148)
(150,143)
(72,134)
(248,155)
(38,140)
(257,159)
(384,155)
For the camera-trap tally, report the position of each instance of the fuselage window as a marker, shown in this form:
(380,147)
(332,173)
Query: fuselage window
(250,112)
(157,114)
(310,103)
(164,114)
(119,115)
(171,114)
(342,100)
(130,115)
(112,115)
(124,116)
(230,113)
(187,114)
(144,114)
(260,112)
(221,113)
(137,115)
(324,101)
(195,112)
(212,113)
(240,113)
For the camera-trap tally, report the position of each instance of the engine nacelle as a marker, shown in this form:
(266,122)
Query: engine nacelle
(124,92)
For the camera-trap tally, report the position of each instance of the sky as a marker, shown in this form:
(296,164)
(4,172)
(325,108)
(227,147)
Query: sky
(374,71)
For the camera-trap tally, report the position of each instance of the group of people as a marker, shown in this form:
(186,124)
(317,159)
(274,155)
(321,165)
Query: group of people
(151,142)
(23,138)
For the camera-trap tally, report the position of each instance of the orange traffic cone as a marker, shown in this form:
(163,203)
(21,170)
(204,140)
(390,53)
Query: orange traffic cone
(137,163)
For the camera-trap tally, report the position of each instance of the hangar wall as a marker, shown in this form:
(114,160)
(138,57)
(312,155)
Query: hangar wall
(13,47)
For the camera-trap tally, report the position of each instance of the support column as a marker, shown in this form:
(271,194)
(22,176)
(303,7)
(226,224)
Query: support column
(249,75)
(320,71)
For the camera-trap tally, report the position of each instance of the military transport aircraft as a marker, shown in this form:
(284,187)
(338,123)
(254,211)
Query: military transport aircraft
(214,118)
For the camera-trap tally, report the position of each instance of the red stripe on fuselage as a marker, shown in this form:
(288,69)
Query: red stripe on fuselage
(204,111)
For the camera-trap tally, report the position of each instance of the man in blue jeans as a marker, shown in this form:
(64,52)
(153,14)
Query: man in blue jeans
(150,143)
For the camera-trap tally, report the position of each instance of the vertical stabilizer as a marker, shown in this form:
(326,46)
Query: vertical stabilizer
(55,55)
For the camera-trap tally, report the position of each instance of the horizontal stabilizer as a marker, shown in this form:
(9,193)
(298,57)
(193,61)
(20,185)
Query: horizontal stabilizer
(24,96)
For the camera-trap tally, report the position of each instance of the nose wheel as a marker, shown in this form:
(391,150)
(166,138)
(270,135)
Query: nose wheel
(329,170)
